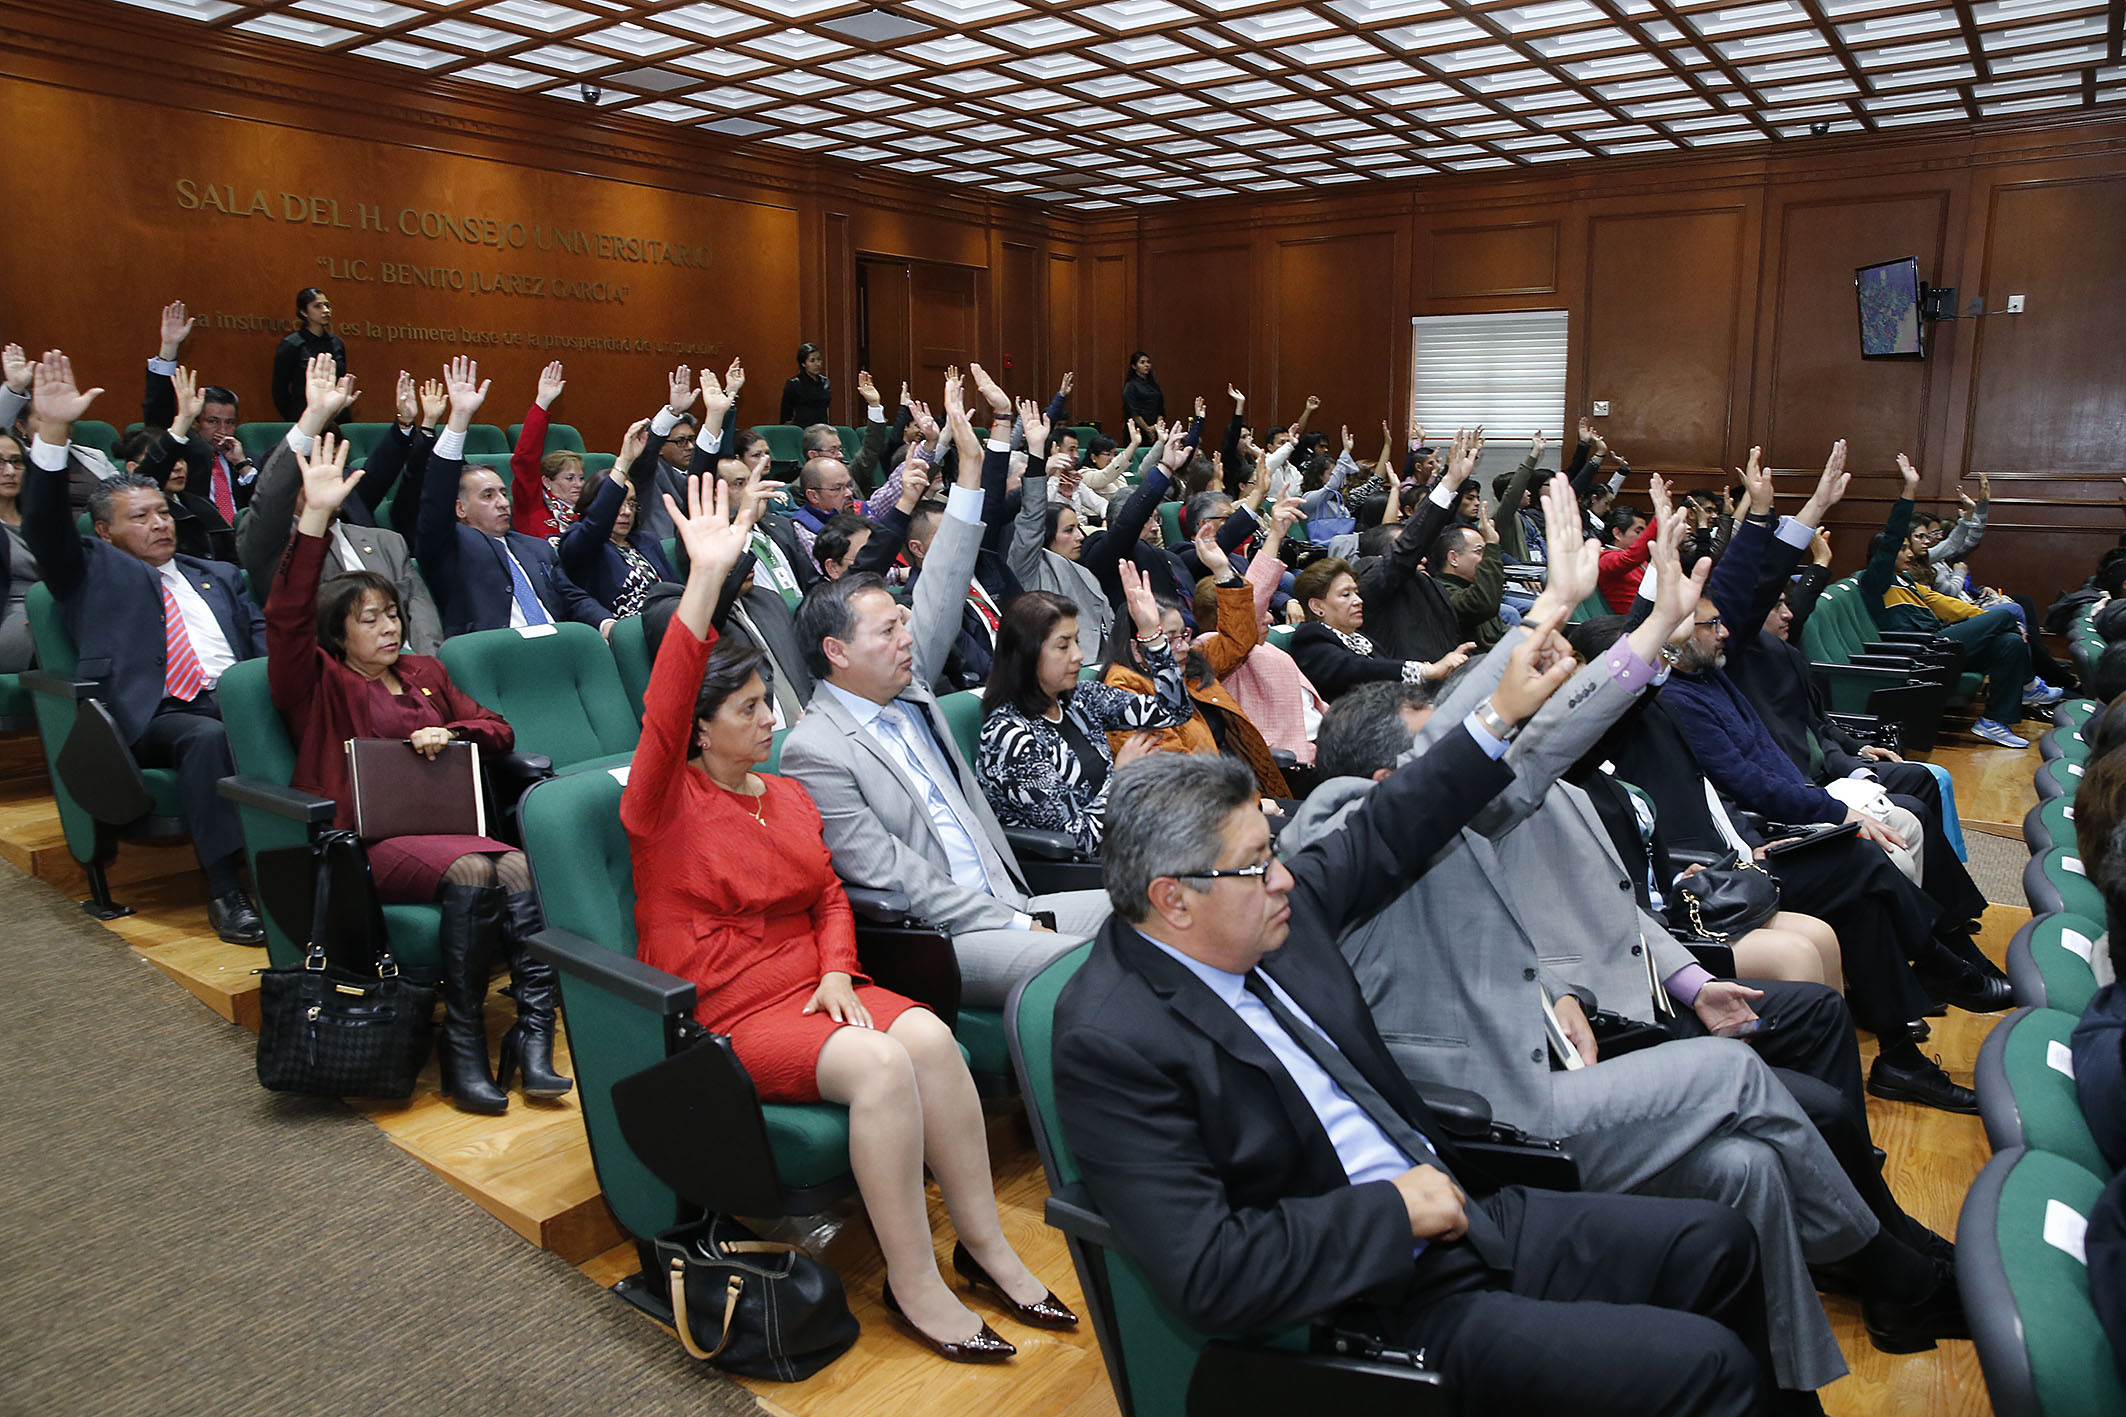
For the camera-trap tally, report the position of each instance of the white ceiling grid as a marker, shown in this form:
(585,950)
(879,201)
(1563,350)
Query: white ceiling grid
(1120,103)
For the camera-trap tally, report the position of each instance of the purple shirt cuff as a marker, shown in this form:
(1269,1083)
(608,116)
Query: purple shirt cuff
(1630,672)
(1684,984)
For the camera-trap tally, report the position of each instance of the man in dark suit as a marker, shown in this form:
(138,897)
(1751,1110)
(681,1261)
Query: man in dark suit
(157,628)
(1263,1160)
(484,574)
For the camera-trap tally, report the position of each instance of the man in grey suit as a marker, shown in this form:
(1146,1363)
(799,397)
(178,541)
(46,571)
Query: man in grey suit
(276,501)
(1464,970)
(900,806)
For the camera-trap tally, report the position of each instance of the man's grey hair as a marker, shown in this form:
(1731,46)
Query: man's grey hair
(1205,505)
(821,438)
(1363,732)
(100,496)
(1165,816)
(827,613)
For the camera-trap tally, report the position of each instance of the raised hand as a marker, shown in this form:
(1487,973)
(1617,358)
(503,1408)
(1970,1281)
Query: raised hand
(1137,595)
(955,394)
(967,467)
(325,393)
(1240,400)
(1070,382)
(1586,430)
(466,390)
(868,389)
(406,400)
(734,378)
(999,402)
(1215,562)
(326,481)
(1758,479)
(1964,499)
(1657,493)
(434,399)
(1909,473)
(1202,409)
(1535,670)
(1830,488)
(1176,456)
(551,383)
(1985,488)
(1537,444)
(716,400)
(55,399)
(1035,426)
(682,390)
(919,417)
(1283,516)
(190,399)
(16,366)
(176,328)
(1313,402)
(1676,595)
(632,443)
(1350,443)
(915,481)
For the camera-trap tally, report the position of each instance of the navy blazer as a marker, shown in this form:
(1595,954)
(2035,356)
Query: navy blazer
(588,556)
(467,573)
(111,603)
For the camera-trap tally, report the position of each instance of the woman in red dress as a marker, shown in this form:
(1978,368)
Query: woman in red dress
(735,890)
(337,673)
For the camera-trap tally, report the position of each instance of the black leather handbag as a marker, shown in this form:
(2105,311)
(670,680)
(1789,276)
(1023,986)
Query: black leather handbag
(750,1306)
(1723,902)
(332,1031)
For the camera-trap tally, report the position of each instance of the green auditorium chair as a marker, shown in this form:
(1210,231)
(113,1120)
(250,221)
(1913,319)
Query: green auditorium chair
(103,437)
(1086,433)
(596,463)
(259,439)
(560,691)
(1170,524)
(2050,823)
(560,438)
(2068,743)
(486,438)
(2058,778)
(103,796)
(2039,1344)
(852,439)
(1158,1365)
(2075,712)
(2051,961)
(673,1119)
(277,816)
(497,463)
(1861,670)
(361,440)
(2025,1081)
(785,447)
(1281,636)
(1051,861)
(631,656)
(2056,880)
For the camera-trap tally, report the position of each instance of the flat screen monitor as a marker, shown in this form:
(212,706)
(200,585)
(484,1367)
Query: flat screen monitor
(1889,293)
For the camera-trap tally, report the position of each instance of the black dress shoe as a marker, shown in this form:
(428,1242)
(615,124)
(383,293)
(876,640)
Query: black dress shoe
(984,1347)
(1920,1029)
(1970,990)
(1925,1084)
(234,920)
(1046,1312)
(1913,1328)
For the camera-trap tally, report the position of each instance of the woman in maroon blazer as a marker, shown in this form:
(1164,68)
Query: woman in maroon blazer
(337,673)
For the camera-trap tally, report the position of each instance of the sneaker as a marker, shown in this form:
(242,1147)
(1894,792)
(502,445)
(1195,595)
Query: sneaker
(1999,733)
(2038,694)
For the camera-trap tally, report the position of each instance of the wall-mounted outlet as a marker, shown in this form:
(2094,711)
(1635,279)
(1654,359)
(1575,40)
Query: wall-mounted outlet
(1601,408)
(1977,305)
(2015,304)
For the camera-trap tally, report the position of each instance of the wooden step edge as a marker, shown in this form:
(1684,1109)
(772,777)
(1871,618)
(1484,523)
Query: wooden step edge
(576,1231)
(239,1005)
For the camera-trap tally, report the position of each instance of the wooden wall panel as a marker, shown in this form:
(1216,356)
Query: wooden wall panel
(1337,330)
(943,320)
(1199,310)
(1818,389)
(1063,321)
(1111,333)
(1019,319)
(1470,262)
(1664,295)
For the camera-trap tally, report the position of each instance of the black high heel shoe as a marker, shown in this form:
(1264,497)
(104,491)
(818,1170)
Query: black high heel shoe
(984,1347)
(1047,1312)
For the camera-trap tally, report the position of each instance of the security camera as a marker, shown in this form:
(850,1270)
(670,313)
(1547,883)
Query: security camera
(1817,130)
(591,92)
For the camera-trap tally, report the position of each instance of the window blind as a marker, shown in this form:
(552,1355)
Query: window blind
(1506,372)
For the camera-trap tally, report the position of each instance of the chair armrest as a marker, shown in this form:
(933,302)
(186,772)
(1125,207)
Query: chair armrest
(883,907)
(1259,1377)
(1882,673)
(1908,637)
(289,802)
(1898,662)
(1520,1160)
(511,775)
(1071,1211)
(1038,845)
(59,686)
(914,960)
(1461,1112)
(639,984)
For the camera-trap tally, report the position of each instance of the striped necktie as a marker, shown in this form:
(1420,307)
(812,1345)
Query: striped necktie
(182,678)
(220,487)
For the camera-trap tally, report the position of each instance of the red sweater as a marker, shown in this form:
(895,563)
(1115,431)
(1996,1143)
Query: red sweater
(528,511)
(1623,569)
(324,703)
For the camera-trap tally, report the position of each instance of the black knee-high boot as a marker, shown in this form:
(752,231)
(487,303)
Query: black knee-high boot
(471,933)
(529,1044)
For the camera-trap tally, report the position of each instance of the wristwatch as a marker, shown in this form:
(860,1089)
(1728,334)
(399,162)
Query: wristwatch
(1495,723)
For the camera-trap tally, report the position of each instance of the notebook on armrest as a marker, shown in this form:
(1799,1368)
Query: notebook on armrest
(399,792)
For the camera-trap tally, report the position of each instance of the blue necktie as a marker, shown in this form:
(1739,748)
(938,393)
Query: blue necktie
(521,588)
(890,718)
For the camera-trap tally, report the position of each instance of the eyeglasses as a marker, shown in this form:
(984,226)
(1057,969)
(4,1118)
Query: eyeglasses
(1259,871)
(14,460)
(683,439)
(1713,624)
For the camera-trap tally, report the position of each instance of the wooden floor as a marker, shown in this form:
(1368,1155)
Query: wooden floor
(531,1168)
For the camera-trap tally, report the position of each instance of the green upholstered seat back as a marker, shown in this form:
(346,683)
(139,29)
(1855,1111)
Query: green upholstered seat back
(56,654)
(631,656)
(2062,947)
(2044,1097)
(560,692)
(962,713)
(560,438)
(103,437)
(486,438)
(361,440)
(2078,894)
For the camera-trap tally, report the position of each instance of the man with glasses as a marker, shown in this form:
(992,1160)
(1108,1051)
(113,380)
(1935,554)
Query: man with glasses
(1240,1123)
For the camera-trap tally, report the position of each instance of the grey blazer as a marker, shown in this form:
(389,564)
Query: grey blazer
(877,828)
(1039,568)
(262,537)
(1530,897)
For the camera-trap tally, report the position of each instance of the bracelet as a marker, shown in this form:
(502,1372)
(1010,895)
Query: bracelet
(1495,723)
